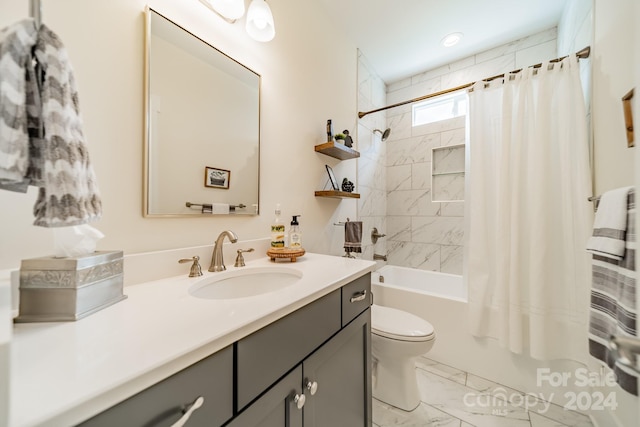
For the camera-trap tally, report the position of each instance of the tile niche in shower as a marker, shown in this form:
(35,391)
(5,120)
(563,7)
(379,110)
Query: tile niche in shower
(447,173)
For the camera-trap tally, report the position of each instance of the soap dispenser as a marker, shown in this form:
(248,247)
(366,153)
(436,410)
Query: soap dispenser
(277,230)
(295,235)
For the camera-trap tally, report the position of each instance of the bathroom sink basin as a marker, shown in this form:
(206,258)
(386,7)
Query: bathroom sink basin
(246,282)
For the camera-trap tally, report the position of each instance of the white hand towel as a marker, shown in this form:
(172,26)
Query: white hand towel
(220,208)
(610,225)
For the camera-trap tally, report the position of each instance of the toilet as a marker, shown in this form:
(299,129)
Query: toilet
(397,339)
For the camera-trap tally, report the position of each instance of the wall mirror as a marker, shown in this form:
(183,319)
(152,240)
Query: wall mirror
(202,126)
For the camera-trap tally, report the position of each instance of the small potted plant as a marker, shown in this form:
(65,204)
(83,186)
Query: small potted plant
(339,137)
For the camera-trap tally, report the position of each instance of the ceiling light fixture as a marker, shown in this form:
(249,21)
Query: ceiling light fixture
(259,21)
(451,39)
(231,10)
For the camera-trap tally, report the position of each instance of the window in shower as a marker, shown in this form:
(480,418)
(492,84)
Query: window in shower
(439,108)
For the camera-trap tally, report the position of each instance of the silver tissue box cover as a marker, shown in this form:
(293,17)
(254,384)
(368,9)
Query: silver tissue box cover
(62,289)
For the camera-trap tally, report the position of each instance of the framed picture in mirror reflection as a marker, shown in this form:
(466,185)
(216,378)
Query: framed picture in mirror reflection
(216,178)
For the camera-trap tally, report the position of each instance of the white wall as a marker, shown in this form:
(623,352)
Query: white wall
(614,57)
(308,76)
(613,76)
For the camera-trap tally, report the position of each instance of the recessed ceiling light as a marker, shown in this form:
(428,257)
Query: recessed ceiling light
(451,39)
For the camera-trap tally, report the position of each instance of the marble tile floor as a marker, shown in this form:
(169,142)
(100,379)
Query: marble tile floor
(454,398)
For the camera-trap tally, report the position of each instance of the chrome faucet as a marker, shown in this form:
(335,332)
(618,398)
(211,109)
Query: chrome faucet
(217,261)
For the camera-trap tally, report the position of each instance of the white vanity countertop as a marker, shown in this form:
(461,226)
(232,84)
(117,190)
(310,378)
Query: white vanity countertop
(65,372)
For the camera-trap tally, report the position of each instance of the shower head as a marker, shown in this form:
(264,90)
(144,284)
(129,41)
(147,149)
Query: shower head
(384,134)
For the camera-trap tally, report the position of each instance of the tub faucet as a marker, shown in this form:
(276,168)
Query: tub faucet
(217,260)
(379,257)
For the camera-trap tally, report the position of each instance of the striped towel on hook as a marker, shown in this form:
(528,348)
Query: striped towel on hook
(613,308)
(610,225)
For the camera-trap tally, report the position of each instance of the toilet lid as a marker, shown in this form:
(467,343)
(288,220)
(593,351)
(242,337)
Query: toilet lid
(399,325)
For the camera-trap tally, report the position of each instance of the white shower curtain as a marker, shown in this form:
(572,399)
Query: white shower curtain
(527,216)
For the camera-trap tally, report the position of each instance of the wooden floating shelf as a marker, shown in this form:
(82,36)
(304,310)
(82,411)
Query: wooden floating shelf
(336,150)
(337,194)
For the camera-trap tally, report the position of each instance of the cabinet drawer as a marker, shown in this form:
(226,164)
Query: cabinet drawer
(162,403)
(356,298)
(266,355)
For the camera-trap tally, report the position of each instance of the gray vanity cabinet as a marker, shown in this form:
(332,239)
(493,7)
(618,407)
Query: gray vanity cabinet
(334,381)
(328,345)
(163,403)
(311,368)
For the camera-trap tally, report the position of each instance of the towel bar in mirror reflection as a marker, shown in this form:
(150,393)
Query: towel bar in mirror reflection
(202,108)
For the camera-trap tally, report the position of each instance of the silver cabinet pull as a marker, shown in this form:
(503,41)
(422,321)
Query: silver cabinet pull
(195,405)
(299,400)
(359,296)
(312,386)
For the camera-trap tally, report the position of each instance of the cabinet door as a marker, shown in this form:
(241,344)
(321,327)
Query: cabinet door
(277,407)
(163,404)
(341,371)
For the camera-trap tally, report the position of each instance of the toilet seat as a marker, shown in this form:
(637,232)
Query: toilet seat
(399,325)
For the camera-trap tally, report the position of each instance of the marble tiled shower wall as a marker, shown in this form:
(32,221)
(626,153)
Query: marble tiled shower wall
(372,205)
(394,177)
(422,233)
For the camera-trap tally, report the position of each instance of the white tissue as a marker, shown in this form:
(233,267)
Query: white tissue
(220,208)
(75,241)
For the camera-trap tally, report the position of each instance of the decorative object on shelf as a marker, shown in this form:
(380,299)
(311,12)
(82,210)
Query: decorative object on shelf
(332,178)
(285,253)
(347,139)
(216,178)
(329,131)
(347,185)
(340,138)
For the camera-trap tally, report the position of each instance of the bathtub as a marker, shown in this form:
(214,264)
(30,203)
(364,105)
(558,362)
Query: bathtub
(430,283)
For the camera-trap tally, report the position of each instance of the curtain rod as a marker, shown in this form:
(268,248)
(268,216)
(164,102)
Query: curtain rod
(582,54)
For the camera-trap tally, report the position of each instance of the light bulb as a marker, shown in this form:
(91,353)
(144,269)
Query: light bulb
(260,21)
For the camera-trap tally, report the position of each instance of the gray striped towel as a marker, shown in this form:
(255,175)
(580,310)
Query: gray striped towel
(613,300)
(69,194)
(353,236)
(41,137)
(16,68)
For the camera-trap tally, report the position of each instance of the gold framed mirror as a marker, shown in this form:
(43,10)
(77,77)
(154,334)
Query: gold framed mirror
(202,116)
